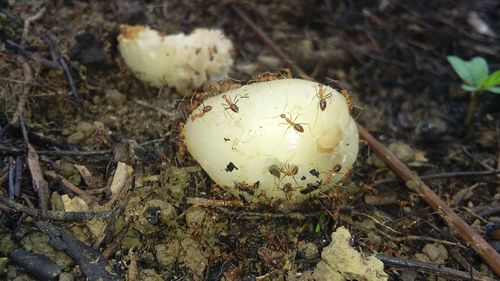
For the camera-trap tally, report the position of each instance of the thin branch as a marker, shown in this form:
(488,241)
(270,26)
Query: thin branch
(69,185)
(160,110)
(269,42)
(432,268)
(413,182)
(464,230)
(10,205)
(445,175)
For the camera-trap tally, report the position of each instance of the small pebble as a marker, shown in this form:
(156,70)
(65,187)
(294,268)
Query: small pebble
(403,151)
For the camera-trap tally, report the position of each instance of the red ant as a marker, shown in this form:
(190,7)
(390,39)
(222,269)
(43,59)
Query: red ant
(288,190)
(322,97)
(332,171)
(289,170)
(231,104)
(203,110)
(297,126)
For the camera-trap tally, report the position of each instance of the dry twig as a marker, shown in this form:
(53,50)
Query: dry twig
(10,205)
(432,268)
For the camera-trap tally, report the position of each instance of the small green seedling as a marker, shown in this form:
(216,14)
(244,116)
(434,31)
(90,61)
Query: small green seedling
(320,223)
(476,78)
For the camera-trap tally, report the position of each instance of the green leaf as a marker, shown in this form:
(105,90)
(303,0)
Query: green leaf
(495,90)
(471,72)
(468,88)
(479,69)
(490,81)
(460,67)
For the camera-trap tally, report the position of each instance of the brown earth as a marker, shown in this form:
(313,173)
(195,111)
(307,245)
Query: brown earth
(391,55)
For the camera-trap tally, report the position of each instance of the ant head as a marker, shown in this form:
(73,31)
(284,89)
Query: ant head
(282,115)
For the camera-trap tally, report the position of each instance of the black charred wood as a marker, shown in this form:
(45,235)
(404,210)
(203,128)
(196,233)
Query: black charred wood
(36,265)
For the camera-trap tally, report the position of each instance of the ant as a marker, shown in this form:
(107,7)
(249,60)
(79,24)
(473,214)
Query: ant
(322,97)
(246,187)
(284,73)
(332,171)
(348,98)
(289,170)
(297,126)
(275,171)
(288,190)
(203,110)
(231,104)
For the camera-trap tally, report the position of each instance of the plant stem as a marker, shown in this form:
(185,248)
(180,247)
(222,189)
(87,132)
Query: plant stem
(471,108)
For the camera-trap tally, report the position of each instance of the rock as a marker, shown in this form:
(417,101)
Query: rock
(194,257)
(115,98)
(403,151)
(56,202)
(166,254)
(75,204)
(149,275)
(340,261)
(3,265)
(195,216)
(433,252)
(166,211)
(308,249)
(65,276)
(7,244)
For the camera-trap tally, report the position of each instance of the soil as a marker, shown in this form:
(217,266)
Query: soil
(168,222)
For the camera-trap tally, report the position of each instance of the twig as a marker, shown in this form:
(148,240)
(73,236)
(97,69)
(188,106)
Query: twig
(474,158)
(497,132)
(72,86)
(197,201)
(27,73)
(445,175)
(10,205)
(18,175)
(18,151)
(28,21)
(30,55)
(263,36)
(40,185)
(433,268)
(247,214)
(89,260)
(455,253)
(75,152)
(58,61)
(467,233)
(115,244)
(75,189)
(12,174)
(160,110)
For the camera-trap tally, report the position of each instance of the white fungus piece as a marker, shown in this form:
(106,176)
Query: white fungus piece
(181,61)
(278,142)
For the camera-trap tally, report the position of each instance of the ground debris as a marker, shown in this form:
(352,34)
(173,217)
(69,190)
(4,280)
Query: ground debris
(340,261)
(90,261)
